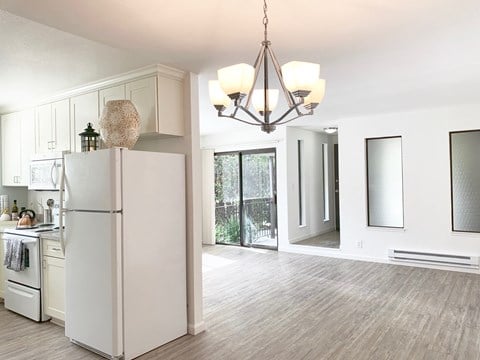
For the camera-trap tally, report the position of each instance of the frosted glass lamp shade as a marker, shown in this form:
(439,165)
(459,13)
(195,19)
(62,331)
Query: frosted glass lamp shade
(316,95)
(300,77)
(119,124)
(217,96)
(258,99)
(236,79)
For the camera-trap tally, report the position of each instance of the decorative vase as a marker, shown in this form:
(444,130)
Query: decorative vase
(119,124)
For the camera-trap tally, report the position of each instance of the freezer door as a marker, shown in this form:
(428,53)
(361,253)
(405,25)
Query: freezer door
(93,287)
(93,180)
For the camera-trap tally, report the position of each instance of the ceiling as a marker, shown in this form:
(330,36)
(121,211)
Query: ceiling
(376,55)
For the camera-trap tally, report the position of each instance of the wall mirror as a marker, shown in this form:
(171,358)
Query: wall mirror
(384,182)
(465,180)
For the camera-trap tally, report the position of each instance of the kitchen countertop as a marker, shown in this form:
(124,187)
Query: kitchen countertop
(7,224)
(51,235)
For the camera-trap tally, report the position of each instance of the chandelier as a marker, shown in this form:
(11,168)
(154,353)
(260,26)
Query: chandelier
(299,81)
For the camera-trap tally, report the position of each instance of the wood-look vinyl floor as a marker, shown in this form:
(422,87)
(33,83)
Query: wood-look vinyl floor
(263,304)
(328,240)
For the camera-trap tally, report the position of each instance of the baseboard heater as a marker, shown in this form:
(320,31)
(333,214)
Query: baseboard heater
(434,258)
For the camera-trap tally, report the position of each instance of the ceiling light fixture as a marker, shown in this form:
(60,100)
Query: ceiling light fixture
(300,83)
(330,130)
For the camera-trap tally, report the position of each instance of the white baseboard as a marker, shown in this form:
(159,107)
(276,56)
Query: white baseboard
(58,322)
(338,253)
(195,329)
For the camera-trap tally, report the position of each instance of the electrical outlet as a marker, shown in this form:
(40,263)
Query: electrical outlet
(359,244)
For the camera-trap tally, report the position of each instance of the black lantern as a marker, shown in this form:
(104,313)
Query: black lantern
(89,138)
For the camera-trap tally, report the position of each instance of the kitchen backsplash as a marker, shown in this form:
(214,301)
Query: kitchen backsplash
(35,198)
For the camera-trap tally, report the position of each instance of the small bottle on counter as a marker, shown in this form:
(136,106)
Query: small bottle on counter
(14,210)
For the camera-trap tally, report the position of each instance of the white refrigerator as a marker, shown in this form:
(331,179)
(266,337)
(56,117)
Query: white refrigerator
(125,251)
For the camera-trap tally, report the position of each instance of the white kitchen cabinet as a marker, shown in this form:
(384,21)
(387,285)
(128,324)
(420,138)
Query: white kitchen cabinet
(83,110)
(170,105)
(53,280)
(61,125)
(27,150)
(2,270)
(44,128)
(111,93)
(161,112)
(53,127)
(11,143)
(143,94)
(18,146)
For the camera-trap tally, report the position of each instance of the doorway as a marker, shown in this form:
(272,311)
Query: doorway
(328,223)
(246,198)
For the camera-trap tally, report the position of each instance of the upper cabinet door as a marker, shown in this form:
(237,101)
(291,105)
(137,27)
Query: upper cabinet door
(11,140)
(111,93)
(27,151)
(83,110)
(143,94)
(170,106)
(44,128)
(61,125)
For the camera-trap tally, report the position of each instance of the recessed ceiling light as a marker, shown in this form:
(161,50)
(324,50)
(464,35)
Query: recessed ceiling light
(330,130)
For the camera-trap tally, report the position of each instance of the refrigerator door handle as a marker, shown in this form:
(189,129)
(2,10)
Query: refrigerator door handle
(62,210)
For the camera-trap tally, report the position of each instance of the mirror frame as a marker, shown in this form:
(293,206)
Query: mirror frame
(367,182)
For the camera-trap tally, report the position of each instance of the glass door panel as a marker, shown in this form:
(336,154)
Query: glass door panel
(258,189)
(227,198)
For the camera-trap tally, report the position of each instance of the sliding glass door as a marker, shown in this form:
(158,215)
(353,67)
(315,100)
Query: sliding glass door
(245,198)
(227,199)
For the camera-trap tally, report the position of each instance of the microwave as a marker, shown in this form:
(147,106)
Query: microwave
(46,171)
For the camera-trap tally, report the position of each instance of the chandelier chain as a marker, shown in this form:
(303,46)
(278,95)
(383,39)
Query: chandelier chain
(265,18)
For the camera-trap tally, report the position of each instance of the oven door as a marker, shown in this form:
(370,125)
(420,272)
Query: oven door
(31,275)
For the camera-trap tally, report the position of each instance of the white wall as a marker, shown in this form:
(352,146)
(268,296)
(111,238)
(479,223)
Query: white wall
(190,146)
(426,173)
(426,182)
(313,184)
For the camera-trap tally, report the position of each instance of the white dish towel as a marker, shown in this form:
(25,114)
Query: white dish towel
(14,255)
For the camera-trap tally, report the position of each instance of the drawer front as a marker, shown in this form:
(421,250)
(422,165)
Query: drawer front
(52,248)
(22,300)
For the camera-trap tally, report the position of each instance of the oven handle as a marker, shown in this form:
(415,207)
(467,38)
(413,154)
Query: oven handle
(24,241)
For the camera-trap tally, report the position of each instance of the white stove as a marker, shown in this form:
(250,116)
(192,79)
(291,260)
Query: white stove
(23,289)
(33,231)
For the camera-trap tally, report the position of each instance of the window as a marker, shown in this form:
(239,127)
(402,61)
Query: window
(301,185)
(326,184)
(465,180)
